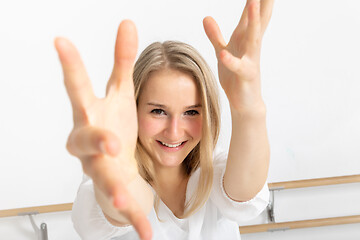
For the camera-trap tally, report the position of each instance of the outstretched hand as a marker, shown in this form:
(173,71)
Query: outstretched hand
(239,60)
(105,130)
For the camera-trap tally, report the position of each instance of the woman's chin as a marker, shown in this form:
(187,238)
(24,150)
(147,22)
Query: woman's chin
(170,162)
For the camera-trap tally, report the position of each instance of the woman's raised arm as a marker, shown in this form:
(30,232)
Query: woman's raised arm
(239,75)
(105,132)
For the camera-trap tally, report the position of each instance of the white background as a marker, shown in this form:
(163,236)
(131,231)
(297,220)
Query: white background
(310,82)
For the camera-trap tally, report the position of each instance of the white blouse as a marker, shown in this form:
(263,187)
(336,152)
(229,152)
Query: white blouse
(219,218)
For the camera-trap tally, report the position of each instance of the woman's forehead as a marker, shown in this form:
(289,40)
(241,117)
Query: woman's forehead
(168,85)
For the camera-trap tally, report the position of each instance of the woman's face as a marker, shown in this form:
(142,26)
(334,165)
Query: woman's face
(169,116)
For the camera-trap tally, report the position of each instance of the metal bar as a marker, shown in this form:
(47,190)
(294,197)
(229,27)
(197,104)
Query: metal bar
(43,232)
(278,229)
(271,215)
(33,224)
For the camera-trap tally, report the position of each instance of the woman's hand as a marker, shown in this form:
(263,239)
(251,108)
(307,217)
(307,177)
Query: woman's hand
(239,60)
(105,130)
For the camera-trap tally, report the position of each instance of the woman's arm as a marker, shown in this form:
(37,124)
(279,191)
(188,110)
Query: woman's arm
(239,75)
(105,131)
(249,154)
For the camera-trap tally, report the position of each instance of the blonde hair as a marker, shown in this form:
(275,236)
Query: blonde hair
(182,57)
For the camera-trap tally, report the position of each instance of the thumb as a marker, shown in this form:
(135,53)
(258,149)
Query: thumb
(213,32)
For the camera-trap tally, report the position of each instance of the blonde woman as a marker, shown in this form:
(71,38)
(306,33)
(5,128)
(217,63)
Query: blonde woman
(150,158)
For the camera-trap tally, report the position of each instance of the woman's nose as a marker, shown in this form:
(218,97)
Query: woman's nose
(174,130)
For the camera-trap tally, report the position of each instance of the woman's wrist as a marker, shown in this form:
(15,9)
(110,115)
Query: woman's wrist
(257,110)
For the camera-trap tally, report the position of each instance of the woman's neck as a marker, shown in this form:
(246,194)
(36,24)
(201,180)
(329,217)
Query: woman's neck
(170,178)
(171,188)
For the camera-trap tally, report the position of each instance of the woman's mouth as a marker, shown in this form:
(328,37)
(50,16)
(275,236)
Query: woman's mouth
(171,147)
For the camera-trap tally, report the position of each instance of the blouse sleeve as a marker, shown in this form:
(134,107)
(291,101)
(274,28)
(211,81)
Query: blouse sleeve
(88,218)
(236,211)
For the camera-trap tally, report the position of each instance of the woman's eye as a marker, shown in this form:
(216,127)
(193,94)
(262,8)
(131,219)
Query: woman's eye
(158,111)
(191,112)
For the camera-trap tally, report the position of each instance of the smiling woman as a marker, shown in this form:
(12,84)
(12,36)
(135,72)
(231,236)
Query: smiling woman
(176,76)
(178,120)
(197,194)
(309,79)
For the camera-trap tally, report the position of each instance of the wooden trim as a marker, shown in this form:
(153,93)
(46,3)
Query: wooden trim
(277,185)
(300,224)
(39,209)
(315,182)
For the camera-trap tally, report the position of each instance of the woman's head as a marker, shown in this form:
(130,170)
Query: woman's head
(183,64)
(169,117)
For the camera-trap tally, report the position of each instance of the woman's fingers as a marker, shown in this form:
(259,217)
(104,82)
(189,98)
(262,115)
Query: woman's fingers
(110,179)
(242,25)
(266,12)
(125,53)
(141,224)
(76,80)
(88,141)
(253,34)
(266,7)
(106,174)
(256,14)
(213,32)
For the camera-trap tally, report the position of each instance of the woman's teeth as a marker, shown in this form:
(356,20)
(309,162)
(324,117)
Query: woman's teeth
(171,146)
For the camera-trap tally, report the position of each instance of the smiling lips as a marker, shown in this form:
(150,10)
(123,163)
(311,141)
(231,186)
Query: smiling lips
(171,147)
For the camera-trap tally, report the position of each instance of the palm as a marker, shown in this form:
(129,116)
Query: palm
(239,60)
(117,114)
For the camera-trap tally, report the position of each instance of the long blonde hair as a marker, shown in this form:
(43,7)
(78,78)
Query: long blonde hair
(182,57)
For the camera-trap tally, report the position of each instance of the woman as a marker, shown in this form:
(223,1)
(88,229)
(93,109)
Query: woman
(160,143)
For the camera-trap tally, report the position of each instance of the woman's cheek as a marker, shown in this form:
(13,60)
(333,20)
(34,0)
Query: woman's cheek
(147,127)
(196,128)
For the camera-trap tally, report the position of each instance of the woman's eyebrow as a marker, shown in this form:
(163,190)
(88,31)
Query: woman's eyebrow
(156,105)
(194,106)
(163,106)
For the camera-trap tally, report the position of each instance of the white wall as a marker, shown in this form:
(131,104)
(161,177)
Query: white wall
(309,77)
